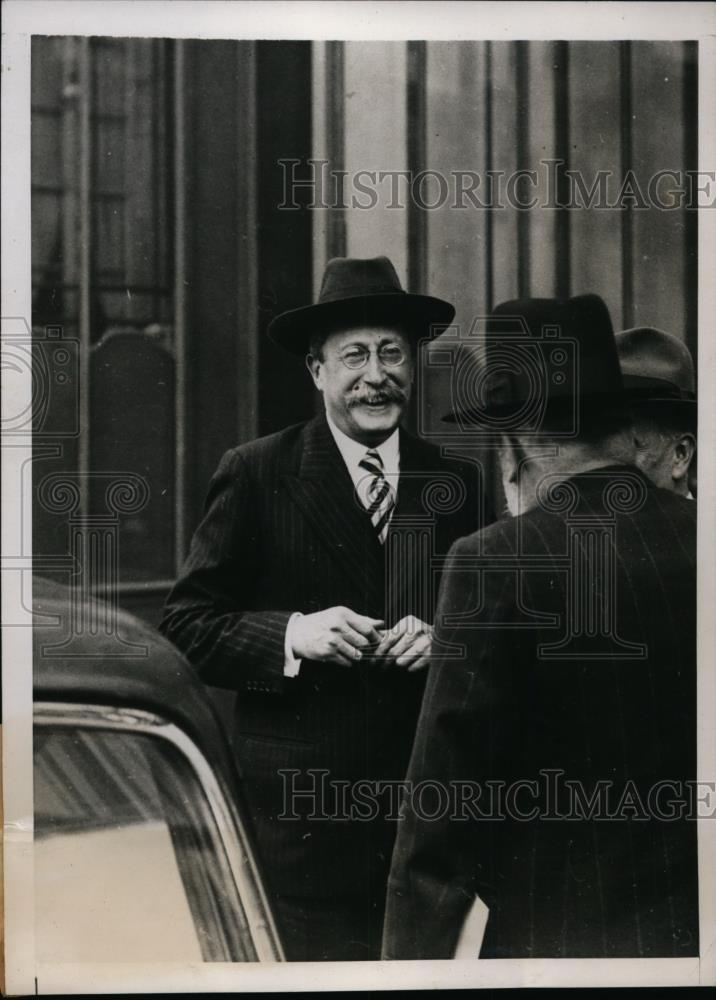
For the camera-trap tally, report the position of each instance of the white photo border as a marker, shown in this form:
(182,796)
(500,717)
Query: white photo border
(328,20)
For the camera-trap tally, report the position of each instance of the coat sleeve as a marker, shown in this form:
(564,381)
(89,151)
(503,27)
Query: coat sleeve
(442,855)
(208,613)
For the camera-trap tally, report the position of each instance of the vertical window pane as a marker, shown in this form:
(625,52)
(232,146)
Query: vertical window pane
(130,387)
(131,166)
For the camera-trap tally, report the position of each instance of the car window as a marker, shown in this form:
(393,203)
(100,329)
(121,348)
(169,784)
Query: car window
(129,862)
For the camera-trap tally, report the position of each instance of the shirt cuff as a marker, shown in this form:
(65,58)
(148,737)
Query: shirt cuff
(291,665)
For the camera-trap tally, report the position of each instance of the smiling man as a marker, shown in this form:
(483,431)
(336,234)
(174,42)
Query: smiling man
(310,590)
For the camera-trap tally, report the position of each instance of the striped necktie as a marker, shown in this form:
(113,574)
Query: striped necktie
(381,498)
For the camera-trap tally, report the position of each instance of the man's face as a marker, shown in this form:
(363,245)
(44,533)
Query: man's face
(365,375)
(662,453)
(653,453)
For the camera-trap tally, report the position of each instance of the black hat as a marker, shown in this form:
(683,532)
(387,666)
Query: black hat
(540,354)
(656,368)
(355,292)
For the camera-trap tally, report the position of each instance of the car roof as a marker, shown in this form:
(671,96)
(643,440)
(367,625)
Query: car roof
(139,670)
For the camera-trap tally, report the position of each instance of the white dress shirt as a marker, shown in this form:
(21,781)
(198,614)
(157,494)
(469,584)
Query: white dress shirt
(352,453)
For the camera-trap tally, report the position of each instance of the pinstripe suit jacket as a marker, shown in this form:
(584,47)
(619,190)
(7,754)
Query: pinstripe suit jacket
(283,532)
(618,708)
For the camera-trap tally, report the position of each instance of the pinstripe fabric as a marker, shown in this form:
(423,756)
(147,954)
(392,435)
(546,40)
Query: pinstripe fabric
(557,888)
(283,531)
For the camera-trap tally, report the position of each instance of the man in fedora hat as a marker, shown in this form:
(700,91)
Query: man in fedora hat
(658,374)
(549,779)
(309,590)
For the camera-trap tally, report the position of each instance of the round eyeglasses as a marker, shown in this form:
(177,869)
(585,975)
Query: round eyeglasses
(357,357)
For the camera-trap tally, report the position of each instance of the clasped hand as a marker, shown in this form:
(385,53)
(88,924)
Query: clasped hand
(340,635)
(407,644)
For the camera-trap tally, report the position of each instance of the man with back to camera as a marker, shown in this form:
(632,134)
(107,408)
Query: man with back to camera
(557,736)
(659,377)
(307,592)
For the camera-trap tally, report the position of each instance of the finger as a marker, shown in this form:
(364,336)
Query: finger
(421,647)
(388,659)
(339,646)
(352,637)
(372,635)
(409,625)
(419,664)
(388,640)
(343,661)
(404,643)
(391,635)
(369,654)
(363,624)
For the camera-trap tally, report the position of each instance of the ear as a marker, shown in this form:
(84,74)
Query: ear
(314,367)
(684,451)
(692,478)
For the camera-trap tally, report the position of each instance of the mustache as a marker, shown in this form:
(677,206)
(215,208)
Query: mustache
(391,394)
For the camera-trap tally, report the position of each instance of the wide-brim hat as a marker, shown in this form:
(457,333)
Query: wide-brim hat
(539,355)
(656,368)
(358,292)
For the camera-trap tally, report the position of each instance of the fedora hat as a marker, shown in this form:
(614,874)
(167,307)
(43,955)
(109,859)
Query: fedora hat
(360,292)
(656,367)
(539,355)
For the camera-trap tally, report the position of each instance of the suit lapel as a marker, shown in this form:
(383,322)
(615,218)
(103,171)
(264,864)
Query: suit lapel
(323,491)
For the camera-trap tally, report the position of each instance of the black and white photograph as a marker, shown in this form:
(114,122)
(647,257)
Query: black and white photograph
(358,480)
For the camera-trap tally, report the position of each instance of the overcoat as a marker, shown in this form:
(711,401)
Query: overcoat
(567,683)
